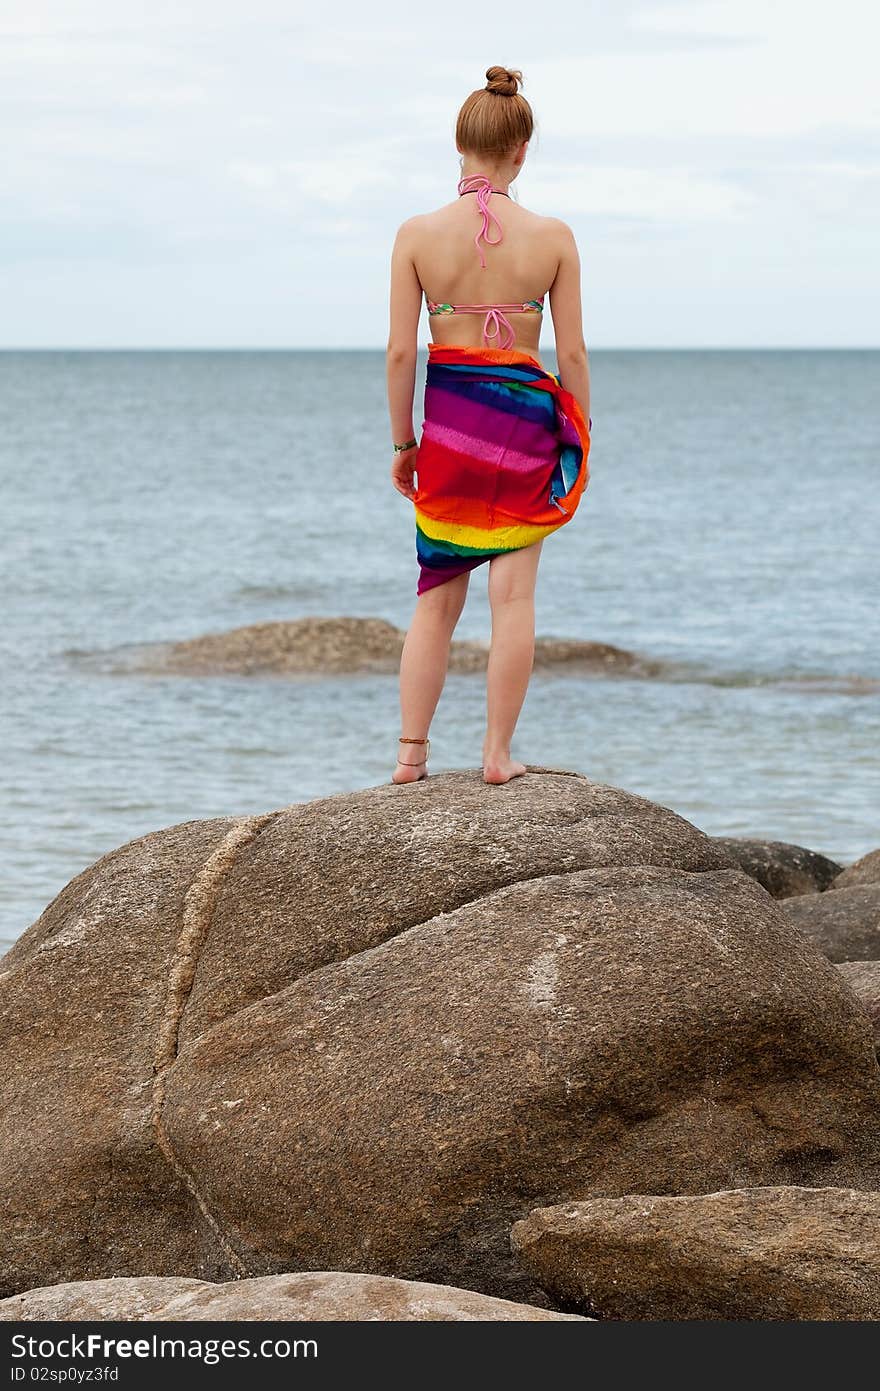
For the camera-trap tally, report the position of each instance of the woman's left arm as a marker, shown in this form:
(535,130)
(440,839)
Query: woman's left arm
(400,361)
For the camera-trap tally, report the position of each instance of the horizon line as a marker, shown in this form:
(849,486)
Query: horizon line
(326,348)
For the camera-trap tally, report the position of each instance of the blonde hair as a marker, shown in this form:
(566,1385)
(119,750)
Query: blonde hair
(495,119)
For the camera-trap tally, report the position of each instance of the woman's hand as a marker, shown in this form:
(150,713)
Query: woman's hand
(402,470)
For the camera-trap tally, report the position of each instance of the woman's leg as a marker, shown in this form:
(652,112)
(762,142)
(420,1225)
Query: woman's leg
(512,653)
(423,664)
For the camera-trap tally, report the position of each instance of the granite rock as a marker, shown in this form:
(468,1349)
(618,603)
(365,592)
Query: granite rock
(592,1032)
(368,1033)
(311,1295)
(843,923)
(863,871)
(770,1253)
(783,869)
(863,978)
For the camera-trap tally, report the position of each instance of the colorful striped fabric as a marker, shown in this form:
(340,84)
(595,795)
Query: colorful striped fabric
(502,461)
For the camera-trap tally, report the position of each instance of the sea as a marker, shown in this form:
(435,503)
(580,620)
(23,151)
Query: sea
(730,531)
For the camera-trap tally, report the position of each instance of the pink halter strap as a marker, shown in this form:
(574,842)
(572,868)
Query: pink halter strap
(483,186)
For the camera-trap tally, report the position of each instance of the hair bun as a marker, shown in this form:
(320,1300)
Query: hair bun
(504,82)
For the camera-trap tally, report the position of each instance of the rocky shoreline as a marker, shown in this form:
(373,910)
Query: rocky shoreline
(446,1050)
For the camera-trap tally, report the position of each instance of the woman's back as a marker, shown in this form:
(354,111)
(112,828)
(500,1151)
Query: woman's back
(503,456)
(521,251)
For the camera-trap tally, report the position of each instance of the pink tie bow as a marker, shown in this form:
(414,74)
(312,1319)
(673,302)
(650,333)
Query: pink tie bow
(500,323)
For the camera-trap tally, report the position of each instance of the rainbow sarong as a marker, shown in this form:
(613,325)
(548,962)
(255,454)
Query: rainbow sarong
(502,461)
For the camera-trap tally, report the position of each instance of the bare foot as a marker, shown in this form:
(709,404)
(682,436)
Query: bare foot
(501,768)
(409,770)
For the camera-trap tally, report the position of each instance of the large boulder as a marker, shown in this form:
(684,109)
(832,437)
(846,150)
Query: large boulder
(84,997)
(863,979)
(312,1295)
(863,871)
(328,879)
(369,1033)
(774,1253)
(783,869)
(176,930)
(843,923)
(591,1032)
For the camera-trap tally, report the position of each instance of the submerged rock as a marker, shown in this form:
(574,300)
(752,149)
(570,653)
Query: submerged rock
(784,870)
(312,1295)
(774,1253)
(338,645)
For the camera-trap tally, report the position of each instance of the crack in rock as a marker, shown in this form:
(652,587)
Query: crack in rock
(198,910)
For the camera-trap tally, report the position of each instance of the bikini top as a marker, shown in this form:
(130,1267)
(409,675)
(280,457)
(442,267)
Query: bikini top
(496,323)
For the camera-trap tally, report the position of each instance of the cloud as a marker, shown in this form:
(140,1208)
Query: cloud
(279,147)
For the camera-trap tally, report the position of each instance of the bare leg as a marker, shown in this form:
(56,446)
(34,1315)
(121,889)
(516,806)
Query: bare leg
(423,664)
(512,653)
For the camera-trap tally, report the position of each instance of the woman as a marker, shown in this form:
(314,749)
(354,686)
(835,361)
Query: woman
(502,460)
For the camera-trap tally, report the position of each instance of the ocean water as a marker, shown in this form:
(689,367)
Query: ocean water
(730,529)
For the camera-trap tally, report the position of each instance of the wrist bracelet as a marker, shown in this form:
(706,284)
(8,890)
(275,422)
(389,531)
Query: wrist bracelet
(400,448)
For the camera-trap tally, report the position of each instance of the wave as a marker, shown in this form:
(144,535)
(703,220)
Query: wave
(265,593)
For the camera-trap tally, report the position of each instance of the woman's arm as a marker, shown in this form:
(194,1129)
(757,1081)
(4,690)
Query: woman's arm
(400,362)
(565,306)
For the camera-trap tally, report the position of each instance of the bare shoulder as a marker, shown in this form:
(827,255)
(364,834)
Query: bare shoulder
(559,229)
(410,227)
(407,239)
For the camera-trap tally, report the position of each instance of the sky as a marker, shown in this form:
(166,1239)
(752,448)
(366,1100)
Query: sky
(219,174)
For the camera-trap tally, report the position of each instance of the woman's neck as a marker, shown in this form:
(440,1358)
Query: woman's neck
(501,178)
